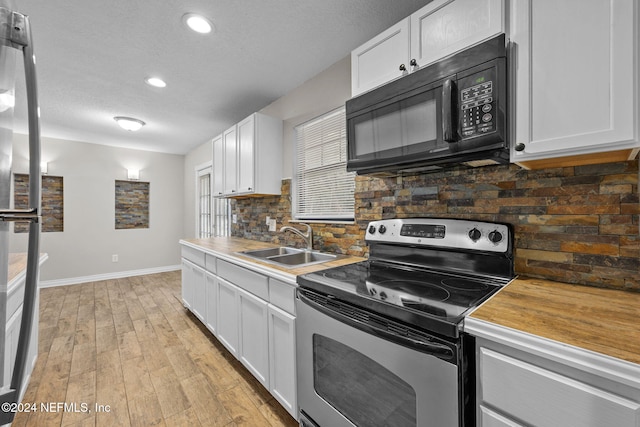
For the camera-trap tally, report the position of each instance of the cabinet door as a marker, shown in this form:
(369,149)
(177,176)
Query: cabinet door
(230,161)
(574,85)
(444,27)
(187,283)
(282,356)
(218,167)
(246,139)
(254,334)
(211,284)
(227,316)
(520,389)
(378,61)
(199,304)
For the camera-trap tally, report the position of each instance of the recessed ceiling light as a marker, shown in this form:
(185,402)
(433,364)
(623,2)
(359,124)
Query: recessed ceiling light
(198,23)
(155,82)
(129,123)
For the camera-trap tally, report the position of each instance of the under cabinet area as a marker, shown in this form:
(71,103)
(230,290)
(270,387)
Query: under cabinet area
(516,387)
(575,93)
(247,158)
(441,28)
(251,314)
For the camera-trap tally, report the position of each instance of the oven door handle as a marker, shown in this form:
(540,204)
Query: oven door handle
(434,349)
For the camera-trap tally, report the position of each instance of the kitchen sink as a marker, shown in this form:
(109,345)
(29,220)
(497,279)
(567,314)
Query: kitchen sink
(289,257)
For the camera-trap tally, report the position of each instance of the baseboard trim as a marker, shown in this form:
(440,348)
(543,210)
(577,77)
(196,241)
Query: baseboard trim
(107,276)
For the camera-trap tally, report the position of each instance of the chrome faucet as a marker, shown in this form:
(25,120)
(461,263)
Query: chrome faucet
(308,236)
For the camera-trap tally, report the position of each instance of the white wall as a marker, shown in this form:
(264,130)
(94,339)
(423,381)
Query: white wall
(84,250)
(326,91)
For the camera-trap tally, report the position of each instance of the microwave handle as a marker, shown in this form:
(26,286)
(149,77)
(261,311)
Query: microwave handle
(449,110)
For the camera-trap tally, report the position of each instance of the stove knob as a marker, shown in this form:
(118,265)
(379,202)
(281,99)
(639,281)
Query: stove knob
(383,296)
(382,229)
(475,234)
(372,229)
(495,236)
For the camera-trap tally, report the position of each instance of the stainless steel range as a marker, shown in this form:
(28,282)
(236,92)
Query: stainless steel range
(379,343)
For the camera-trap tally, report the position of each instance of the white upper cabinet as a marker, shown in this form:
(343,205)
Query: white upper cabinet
(439,29)
(575,72)
(247,158)
(218,167)
(381,59)
(444,27)
(230,156)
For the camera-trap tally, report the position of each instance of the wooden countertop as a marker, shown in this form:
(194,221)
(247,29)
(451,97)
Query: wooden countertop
(605,321)
(230,246)
(17,264)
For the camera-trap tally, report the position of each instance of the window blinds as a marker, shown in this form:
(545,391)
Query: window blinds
(323,187)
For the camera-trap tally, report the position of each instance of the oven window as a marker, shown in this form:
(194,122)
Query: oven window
(359,388)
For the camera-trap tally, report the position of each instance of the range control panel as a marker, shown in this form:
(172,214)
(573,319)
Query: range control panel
(444,233)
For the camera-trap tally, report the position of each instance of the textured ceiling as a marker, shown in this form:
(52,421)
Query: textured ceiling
(93,57)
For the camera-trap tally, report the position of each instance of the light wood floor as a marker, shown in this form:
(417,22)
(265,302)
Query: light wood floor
(129,346)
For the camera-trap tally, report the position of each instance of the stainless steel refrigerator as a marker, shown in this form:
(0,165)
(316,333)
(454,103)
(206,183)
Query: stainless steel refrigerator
(16,44)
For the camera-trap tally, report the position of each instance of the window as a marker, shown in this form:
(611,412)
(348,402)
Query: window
(322,188)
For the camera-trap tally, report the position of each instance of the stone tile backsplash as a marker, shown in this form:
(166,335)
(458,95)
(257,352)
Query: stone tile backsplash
(574,224)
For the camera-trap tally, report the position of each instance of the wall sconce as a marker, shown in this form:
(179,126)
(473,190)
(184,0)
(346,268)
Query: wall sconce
(44,168)
(133,174)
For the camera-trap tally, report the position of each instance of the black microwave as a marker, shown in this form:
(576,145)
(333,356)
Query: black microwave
(451,112)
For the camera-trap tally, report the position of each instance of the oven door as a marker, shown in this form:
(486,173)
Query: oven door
(351,373)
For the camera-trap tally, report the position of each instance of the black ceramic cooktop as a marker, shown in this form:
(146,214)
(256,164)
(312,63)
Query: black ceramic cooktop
(428,298)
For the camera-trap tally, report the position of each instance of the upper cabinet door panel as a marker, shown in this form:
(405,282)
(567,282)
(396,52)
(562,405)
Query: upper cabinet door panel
(444,27)
(246,140)
(378,60)
(575,71)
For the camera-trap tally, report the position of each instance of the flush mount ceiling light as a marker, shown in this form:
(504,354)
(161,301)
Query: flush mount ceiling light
(155,82)
(197,23)
(128,123)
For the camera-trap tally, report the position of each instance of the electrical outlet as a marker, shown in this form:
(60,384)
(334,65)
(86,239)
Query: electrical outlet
(234,218)
(272,225)
(268,220)
(114,258)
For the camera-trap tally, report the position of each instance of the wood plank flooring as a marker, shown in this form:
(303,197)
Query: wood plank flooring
(130,347)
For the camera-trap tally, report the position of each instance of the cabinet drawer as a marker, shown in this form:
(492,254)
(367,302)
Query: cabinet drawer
(210,263)
(193,255)
(522,390)
(282,295)
(248,280)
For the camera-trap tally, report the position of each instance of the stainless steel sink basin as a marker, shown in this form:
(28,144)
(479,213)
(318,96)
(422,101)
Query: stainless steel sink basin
(289,257)
(270,252)
(302,258)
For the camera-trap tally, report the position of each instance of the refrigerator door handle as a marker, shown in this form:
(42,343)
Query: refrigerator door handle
(21,39)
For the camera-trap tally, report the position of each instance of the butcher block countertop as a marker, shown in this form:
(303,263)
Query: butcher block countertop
(17,264)
(228,248)
(604,321)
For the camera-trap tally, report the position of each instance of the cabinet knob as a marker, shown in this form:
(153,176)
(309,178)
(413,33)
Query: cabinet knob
(413,63)
(249,189)
(403,67)
(520,146)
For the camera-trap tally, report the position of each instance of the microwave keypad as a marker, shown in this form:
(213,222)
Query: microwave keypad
(477,109)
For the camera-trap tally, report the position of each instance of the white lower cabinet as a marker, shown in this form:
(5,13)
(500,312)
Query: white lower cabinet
(228,320)
(251,314)
(193,289)
(211,292)
(254,336)
(517,388)
(282,353)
